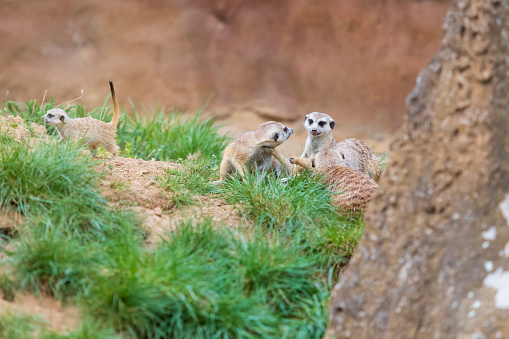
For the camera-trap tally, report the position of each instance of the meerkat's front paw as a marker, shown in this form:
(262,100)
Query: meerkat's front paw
(292,159)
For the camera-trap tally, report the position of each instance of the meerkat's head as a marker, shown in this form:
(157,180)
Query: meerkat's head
(317,124)
(55,116)
(329,158)
(273,133)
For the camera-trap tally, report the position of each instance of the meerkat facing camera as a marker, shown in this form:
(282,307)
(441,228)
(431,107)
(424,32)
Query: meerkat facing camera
(356,154)
(253,151)
(91,131)
(354,188)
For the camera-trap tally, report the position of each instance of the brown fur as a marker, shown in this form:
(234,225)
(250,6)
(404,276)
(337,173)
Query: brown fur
(355,188)
(253,151)
(356,154)
(91,131)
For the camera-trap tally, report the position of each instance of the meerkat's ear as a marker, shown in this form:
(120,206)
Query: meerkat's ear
(313,164)
(332,124)
(62,118)
(342,155)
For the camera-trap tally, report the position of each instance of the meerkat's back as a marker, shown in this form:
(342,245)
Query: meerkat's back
(355,188)
(359,156)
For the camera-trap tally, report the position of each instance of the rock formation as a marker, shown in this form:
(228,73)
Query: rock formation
(434,259)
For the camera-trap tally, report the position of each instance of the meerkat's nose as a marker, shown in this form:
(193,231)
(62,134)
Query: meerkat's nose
(313,130)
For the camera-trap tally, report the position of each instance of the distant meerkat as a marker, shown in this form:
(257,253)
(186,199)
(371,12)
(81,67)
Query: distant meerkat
(356,154)
(91,131)
(253,151)
(355,188)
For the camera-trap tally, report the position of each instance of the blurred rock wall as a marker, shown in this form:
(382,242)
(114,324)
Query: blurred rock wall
(353,59)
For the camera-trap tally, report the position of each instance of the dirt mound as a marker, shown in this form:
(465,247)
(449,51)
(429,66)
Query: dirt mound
(15,127)
(433,261)
(132,183)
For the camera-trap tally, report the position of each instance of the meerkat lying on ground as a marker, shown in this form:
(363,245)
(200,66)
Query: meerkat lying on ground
(91,131)
(356,154)
(354,188)
(252,151)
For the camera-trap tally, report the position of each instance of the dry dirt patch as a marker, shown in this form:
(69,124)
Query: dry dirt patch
(132,183)
(60,318)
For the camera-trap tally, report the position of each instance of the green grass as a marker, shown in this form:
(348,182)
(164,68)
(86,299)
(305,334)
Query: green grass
(204,282)
(270,279)
(302,204)
(171,135)
(53,263)
(18,326)
(49,173)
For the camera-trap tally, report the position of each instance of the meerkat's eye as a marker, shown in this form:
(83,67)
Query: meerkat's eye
(50,115)
(310,121)
(286,129)
(276,137)
(321,123)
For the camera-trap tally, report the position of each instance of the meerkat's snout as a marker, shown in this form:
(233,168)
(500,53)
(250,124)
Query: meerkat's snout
(288,131)
(55,116)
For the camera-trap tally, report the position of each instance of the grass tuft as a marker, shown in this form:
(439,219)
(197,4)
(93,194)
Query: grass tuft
(18,326)
(171,136)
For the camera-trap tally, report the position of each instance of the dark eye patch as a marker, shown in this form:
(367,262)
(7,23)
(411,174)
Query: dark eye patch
(50,115)
(286,129)
(276,137)
(310,121)
(321,123)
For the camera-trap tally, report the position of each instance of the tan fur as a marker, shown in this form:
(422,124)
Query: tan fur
(253,151)
(356,154)
(354,187)
(91,131)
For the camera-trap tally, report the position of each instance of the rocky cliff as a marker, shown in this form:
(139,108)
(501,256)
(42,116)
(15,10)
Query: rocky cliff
(434,259)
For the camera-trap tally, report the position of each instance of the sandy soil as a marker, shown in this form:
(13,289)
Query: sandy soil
(58,317)
(132,183)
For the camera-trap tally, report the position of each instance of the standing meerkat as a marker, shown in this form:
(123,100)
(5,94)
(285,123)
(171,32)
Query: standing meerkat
(356,154)
(253,151)
(354,188)
(91,131)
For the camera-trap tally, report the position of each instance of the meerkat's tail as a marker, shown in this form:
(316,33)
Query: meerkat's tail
(116,109)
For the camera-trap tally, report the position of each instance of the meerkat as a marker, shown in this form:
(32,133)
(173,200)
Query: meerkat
(253,151)
(356,154)
(91,131)
(354,188)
